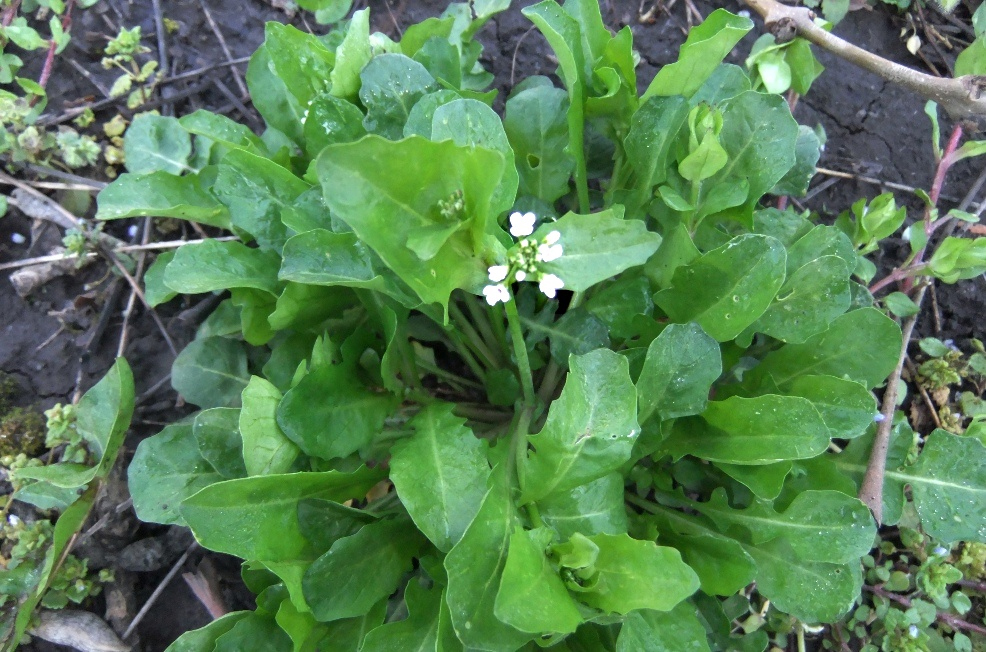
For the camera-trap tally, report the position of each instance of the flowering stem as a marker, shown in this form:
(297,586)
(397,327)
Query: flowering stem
(520,352)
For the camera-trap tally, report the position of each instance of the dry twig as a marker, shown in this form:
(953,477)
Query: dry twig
(961,97)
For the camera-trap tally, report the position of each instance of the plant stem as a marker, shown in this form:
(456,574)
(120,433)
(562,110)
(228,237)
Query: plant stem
(520,352)
(871,488)
(448,376)
(481,318)
(518,443)
(576,146)
(476,342)
(408,366)
(897,274)
(463,350)
(50,58)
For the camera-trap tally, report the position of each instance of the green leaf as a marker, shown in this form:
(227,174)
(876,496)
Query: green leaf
(862,345)
(23,35)
(419,122)
(301,61)
(618,303)
(213,265)
(846,406)
(577,332)
(349,633)
(416,35)
(256,190)
(155,291)
(331,413)
(217,434)
(807,152)
(441,59)
(532,597)
(360,570)
(203,639)
(681,365)
(590,428)
(321,257)
(419,631)
(166,469)
(247,631)
(211,372)
(351,56)
(103,418)
(817,243)
(721,563)
(306,307)
(704,49)
(257,518)
(676,250)
(678,630)
(948,483)
(757,430)
(765,481)
(726,289)
(269,95)
(391,85)
(475,566)
(367,186)
(760,136)
(810,591)
(564,35)
(440,474)
(331,120)
(327,11)
(823,526)
(161,194)
(597,247)
(255,310)
(537,128)
(634,574)
(323,522)
(726,82)
(470,123)
(808,301)
(225,131)
(157,143)
(266,450)
(592,508)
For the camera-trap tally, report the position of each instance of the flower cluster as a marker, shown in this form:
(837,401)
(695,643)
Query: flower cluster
(524,261)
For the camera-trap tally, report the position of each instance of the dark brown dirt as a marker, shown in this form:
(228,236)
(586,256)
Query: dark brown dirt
(873,128)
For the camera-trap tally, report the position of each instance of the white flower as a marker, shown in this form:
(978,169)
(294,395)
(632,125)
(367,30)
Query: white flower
(520,275)
(549,252)
(496,293)
(550,284)
(13,520)
(552,238)
(522,224)
(498,273)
